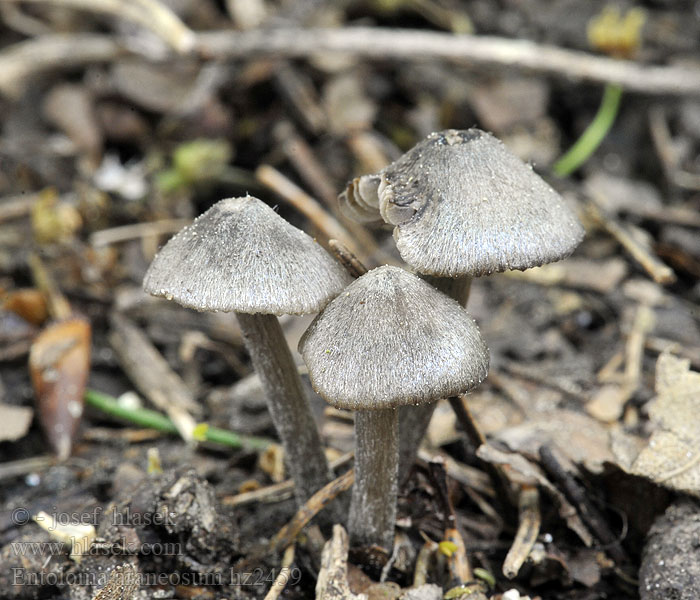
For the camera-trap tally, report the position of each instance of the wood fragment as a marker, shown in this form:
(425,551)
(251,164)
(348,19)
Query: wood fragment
(24,466)
(278,491)
(351,263)
(528,530)
(423,560)
(464,474)
(303,159)
(65,50)
(60,50)
(663,143)
(151,14)
(300,94)
(152,375)
(629,237)
(124,233)
(457,560)
(306,205)
(332,582)
(15,207)
(498,477)
(405,44)
(282,578)
(590,515)
(309,510)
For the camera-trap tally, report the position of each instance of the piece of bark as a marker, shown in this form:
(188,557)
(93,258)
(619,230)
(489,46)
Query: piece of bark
(332,583)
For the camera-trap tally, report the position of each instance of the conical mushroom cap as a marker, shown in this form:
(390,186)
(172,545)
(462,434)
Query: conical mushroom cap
(464,205)
(241,256)
(390,339)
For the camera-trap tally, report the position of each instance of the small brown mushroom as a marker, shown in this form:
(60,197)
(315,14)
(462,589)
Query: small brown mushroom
(388,340)
(241,256)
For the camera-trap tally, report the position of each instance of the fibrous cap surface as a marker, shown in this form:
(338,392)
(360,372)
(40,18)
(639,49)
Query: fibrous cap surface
(463,204)
(390,339)
(240,255)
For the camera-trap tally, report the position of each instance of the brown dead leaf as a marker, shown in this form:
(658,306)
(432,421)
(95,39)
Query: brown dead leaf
(671,456)
(581,438)
(59,362)
(28,303)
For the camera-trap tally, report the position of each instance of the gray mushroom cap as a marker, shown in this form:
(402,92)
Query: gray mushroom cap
(390,339)
(240,255)
(463,204)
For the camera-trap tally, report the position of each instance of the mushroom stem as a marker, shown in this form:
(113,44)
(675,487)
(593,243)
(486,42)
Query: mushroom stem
(414,420)
(287,403)
(373,505)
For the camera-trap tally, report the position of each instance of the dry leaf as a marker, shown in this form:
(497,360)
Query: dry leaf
(581,438)
(671,456)
(59,362)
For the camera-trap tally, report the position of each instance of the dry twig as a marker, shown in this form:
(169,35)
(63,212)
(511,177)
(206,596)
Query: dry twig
(150,14)
(282,578)
(351,263)
(332,583)
(310,509)
(152,375)
(528,530)
(382,43)
(305,204)
(124,233)
(625,235)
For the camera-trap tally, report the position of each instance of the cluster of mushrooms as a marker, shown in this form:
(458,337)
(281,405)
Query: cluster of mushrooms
(391,343)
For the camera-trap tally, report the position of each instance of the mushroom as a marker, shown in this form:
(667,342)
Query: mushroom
(388,340)
(463,206)
(241,256)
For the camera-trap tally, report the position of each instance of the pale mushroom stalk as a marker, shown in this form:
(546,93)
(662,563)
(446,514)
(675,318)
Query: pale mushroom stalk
(286,402)
(388,340)
(240,256)
(372,510)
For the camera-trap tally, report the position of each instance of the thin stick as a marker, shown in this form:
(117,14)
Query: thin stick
(278,491)
(13,207)
(49,52)
(351,263)
(303,159)
(332,582)
(152,375)
(405,44)
(148,13)
(58,306)
(659,272)
(282,578)
(18,468)
(115,235)
(665,148)
(306,205)
(309,510)
(66,50)
(499,479)
(530,520)
(578,497)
